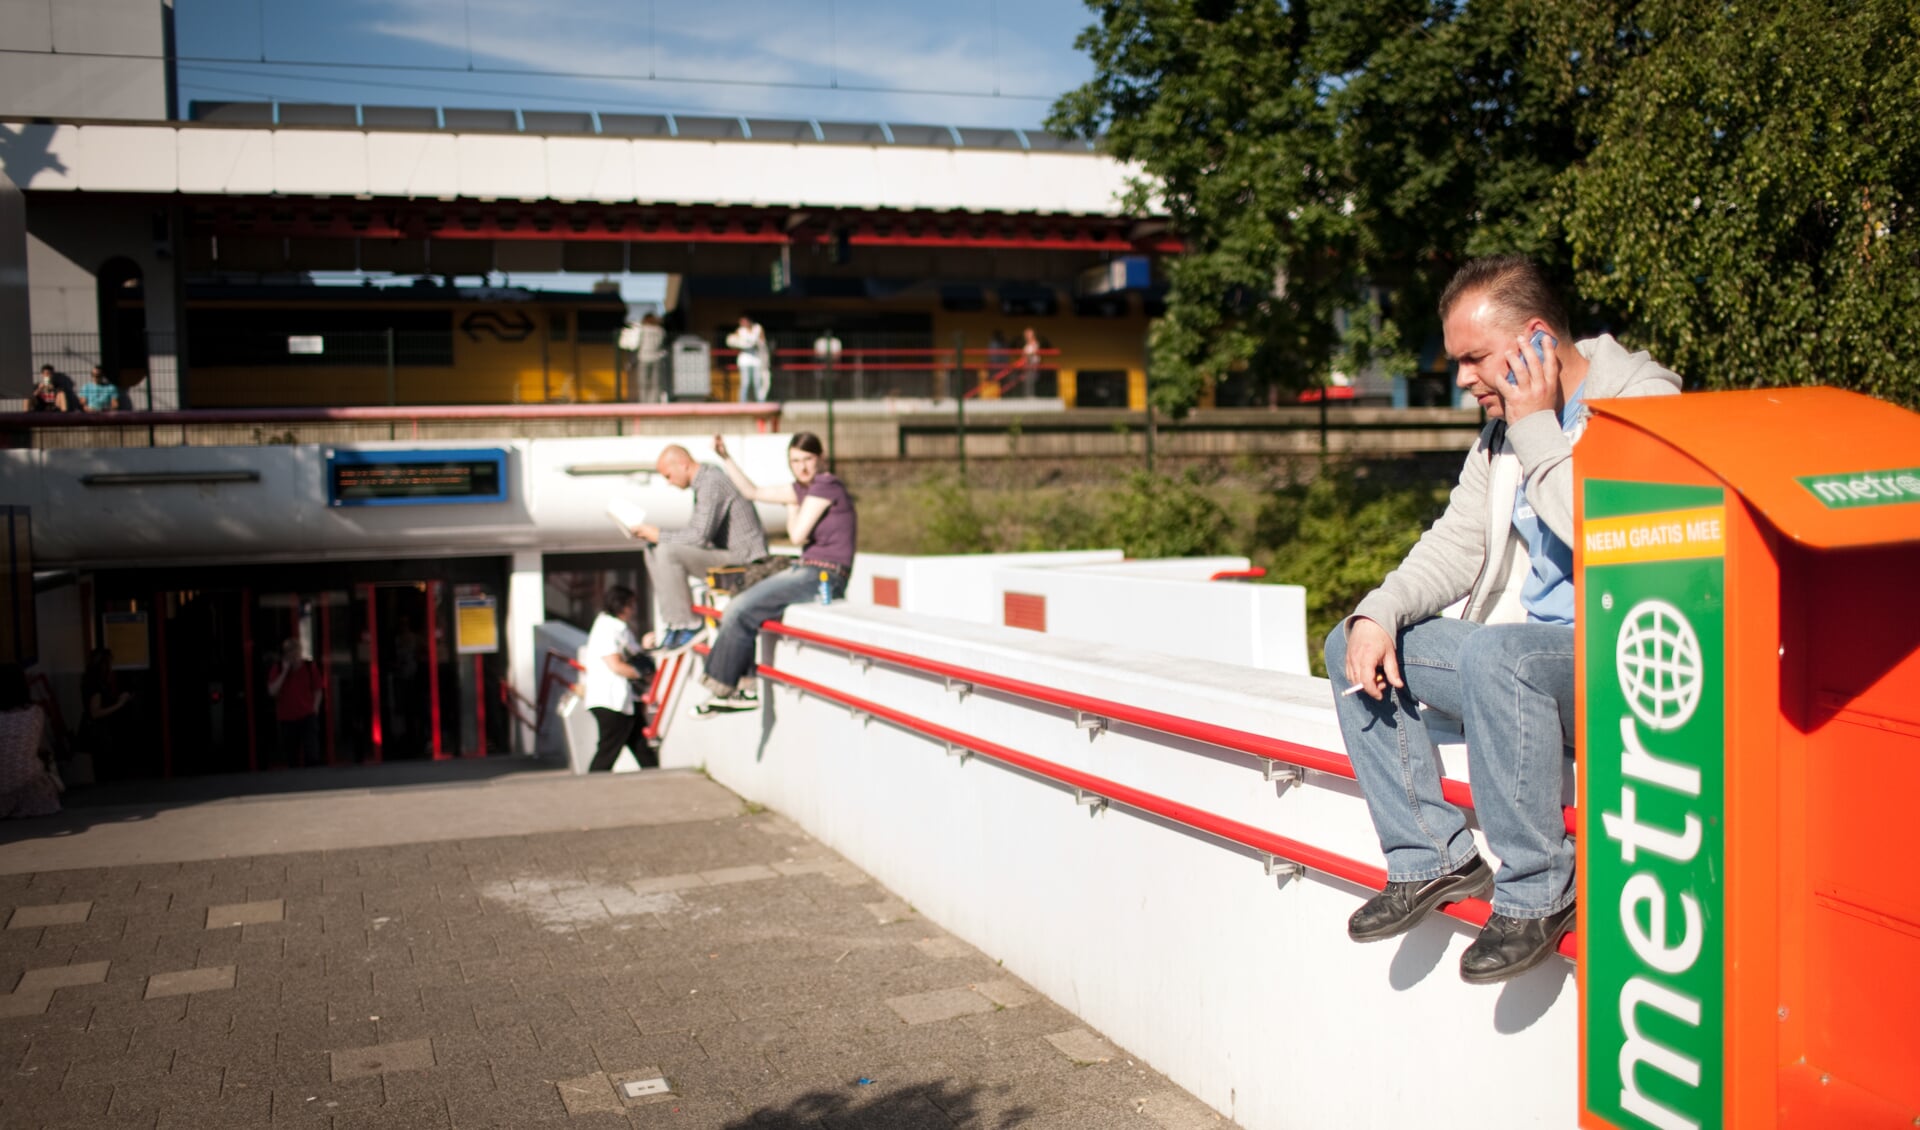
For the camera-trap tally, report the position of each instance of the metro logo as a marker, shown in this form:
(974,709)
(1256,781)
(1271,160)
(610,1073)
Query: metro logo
(1652,837)
(1864,488)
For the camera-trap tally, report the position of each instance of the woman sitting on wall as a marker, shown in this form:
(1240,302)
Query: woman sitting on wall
(821,521)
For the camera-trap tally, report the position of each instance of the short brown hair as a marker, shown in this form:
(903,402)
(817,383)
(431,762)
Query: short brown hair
(1514,284)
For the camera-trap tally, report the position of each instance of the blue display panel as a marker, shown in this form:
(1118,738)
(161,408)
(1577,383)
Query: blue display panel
(415,478)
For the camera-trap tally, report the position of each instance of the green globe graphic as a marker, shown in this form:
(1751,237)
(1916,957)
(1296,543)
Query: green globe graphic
(1659,664)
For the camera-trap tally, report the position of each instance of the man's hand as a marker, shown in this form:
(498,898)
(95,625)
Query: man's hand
(720,446)
(1369,655)
(646,531)
(1539,387)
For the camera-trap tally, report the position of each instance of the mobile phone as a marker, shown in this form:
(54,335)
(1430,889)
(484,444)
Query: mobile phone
(1538,341)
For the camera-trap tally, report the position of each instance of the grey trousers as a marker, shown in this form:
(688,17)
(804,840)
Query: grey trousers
(669,566)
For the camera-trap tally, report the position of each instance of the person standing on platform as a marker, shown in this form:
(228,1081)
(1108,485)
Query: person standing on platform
(1505,667)
(1029,360)
(755,359)
(294,682)
(821,521)
(609,682)
(47,395)
(653,356)
(724,530)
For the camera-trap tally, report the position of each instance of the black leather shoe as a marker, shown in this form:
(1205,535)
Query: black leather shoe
(1396,909)
(1508,947)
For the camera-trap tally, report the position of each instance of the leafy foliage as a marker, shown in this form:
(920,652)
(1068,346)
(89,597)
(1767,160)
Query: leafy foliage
(1305,151)
(1338,534)
(1728,185)
(1748,202)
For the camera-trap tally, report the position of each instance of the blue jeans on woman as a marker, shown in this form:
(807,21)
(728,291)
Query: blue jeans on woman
(731,659)
(1511,685)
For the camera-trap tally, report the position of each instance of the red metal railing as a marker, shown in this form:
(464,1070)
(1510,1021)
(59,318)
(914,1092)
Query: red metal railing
(1226,737)
(1474,911)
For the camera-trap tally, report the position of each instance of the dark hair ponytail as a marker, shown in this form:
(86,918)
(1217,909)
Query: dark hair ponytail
(807,442)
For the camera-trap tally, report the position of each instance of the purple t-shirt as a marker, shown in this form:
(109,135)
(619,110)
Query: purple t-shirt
(833,535)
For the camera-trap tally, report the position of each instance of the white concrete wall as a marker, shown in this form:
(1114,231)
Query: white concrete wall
(556,502)
(959,586)
(53,74)
(207,158)
(1240,987)
(1141,606)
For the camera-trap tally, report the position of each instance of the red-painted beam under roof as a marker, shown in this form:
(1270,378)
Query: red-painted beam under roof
(327,219)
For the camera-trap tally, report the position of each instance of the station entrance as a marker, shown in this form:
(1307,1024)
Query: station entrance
(406,660)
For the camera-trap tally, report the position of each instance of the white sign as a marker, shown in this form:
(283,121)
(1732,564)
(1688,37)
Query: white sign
(312,345)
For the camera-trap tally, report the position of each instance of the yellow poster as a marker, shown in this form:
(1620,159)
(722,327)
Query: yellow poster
(476,628)
(125,634)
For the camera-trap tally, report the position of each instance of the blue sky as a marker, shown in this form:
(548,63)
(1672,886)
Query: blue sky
(989,63)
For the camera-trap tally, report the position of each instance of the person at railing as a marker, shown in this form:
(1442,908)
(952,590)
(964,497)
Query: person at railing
(755,360)
(724,530)
(48,395)
(101,394)
(609,681)
(1030,346)
(1505,667)
(822,522)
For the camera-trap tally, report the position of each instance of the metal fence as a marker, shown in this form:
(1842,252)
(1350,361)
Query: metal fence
(149,369)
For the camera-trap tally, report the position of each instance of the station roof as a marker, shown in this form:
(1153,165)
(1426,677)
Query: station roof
(524,156)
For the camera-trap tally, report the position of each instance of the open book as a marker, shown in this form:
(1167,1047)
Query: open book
(626,514)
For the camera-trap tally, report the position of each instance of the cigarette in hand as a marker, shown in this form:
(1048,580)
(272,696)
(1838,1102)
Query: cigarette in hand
(1354,689)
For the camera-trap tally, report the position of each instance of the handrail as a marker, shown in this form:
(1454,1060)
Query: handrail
(1473,911)
(1226,737)
(768,414)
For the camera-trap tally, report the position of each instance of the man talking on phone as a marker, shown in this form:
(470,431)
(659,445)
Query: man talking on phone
(1504,667)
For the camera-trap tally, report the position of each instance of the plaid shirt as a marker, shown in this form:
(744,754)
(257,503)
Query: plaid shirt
(722,519)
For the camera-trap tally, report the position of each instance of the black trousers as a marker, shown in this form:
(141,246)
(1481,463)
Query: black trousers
(616,730)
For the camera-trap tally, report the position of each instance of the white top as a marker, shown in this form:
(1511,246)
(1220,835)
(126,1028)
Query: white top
(606,689)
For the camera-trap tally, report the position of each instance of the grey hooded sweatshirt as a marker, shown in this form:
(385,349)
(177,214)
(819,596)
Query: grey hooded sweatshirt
(1473,551)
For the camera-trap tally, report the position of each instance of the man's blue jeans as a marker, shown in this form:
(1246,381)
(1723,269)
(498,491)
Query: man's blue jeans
(1511,685)
(732,656)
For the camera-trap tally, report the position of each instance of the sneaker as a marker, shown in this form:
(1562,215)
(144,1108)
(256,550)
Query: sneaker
(675,640)
(1508,947)
(726,704)
(1401,906)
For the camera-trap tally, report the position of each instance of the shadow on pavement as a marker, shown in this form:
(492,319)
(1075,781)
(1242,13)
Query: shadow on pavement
(909,1108)
(124,802)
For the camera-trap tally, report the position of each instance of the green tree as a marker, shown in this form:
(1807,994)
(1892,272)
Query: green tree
(1306,152)
(1748,200)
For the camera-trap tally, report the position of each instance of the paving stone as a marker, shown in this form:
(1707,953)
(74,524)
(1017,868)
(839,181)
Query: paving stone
(30,1003)
(888,911)
(245,913)
(50,914)
(189,981)
(1177,1110)
(63,976)
(1006,993)
(1082,1046)
(747,874)
(943,948)
(587,1094)
(665,884)
(380,1059)
(534,973)
(941,1004)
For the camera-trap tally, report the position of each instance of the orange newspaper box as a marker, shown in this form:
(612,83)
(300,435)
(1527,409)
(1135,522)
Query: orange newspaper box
(1749,665)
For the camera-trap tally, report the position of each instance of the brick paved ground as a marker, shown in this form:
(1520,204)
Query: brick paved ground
(521,980)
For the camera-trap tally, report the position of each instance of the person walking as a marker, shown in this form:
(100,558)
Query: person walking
(295,684)
(609,682)
(821,521)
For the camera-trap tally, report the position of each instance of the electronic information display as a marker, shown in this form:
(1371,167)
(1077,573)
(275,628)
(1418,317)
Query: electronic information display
(411,478)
